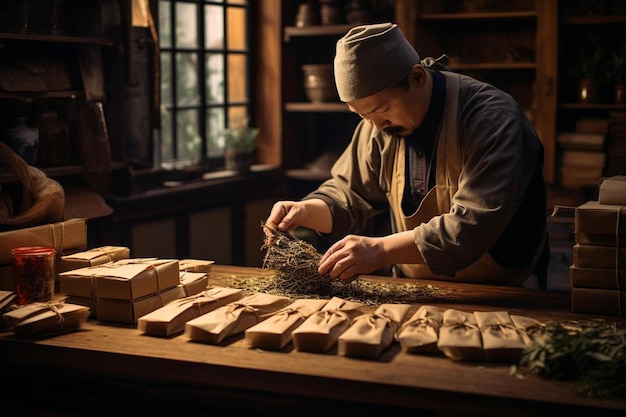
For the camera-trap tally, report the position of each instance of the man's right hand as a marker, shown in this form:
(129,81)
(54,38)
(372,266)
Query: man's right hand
(286,215)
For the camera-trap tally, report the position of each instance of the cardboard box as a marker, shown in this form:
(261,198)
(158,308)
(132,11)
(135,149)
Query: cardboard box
(597,278)
(613,190)
(93,257)
(600,219)
(602,257)
(83,301)
(65,237)
(599,301)
(129,311)
(129,279)
(598,239)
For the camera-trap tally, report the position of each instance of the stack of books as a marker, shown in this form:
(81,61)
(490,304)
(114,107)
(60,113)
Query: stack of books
(616,146)
(582,155)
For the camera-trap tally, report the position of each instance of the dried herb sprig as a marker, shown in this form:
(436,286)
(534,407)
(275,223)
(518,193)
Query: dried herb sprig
(295,263)
(590,353)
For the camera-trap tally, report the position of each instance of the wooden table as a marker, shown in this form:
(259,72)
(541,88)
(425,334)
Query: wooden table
(106,369)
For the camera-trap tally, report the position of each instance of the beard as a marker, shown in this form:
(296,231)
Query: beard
(394,130)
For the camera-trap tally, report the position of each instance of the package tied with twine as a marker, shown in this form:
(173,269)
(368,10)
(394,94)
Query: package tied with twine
(171,318)
(193,283)
(531,329)
(65,237)
(275,332)
(44,319)
(195,265)
(459,336)
(600,224)
(502,340)
(322,329)
(234,318)
(125,279)
(93,257)
(372,333)
(420,333)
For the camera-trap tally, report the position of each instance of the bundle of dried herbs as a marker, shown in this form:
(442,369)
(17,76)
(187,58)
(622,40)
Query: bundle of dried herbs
(295,265)
(590,353)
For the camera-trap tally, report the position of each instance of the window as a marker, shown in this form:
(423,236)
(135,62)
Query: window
(204,48)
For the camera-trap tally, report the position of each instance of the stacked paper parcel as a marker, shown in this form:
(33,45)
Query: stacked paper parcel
(597,275)
(124,290)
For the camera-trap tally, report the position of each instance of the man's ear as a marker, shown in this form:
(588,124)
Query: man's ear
(418,73)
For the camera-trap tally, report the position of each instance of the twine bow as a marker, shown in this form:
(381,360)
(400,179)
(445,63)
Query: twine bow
(421,323)
(289,311)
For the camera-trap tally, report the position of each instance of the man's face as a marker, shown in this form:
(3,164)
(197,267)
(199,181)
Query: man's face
(396,111)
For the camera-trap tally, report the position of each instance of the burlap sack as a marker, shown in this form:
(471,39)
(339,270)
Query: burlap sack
(39,200)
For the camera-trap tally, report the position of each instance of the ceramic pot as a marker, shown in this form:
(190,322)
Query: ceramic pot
(319,83)
(237,161)
(54,140)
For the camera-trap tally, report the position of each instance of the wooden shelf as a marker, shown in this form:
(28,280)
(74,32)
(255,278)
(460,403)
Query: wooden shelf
(315,30)
(57,172)
(494,65)
(50,172)
(593,20)
(478,16)
(56,38)
(307,174)
(317,107)
(41,94)
(593,106)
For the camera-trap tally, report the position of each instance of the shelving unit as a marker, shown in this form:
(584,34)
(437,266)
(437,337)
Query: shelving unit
(59,68)
(586,27)
(510,45)
(313,132)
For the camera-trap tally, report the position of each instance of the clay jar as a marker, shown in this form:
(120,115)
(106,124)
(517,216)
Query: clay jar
(319,83)
(54,140)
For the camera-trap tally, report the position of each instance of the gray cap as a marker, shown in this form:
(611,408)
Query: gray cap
(370,59)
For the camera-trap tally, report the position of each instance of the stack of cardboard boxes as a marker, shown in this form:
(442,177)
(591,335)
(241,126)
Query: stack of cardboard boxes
(598,274)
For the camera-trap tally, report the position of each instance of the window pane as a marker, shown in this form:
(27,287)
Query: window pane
(237,115)
(187,128)
(237,66)
(187,91)
(215,122)
(214,31)
(236,28)
(186,25)
(165,28)
(167,144)
(166,79)
(215,78)
(237,1)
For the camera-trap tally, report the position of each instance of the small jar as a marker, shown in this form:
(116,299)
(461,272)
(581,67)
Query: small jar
(34,273)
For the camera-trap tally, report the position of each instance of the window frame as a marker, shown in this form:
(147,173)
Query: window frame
(215,161)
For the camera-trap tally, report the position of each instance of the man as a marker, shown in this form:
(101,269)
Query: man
(455,160)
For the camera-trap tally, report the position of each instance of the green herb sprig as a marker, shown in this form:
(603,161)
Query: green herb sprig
(590,353)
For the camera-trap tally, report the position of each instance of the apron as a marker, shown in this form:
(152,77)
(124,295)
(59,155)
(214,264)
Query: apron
(437,201)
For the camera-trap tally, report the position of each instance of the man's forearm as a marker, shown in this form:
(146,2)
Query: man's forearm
(400,248)
(318,216)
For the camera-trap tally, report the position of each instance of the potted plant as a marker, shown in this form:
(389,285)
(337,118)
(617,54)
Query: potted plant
(239,141)
(587,71)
